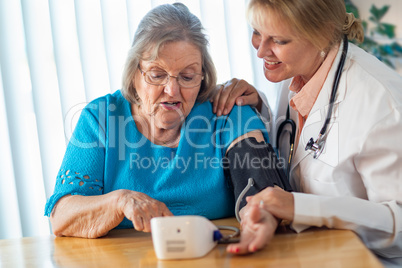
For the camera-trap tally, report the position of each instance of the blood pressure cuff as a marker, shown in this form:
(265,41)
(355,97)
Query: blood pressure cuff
(251,159)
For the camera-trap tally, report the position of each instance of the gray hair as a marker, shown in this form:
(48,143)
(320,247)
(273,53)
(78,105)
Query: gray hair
(163,24)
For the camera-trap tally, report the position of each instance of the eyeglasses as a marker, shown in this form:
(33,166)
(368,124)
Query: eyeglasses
(161,78)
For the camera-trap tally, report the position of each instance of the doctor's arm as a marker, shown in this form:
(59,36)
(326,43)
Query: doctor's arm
(378,220)
(378,224)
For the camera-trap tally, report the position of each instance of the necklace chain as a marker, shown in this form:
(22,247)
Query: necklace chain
(174,142)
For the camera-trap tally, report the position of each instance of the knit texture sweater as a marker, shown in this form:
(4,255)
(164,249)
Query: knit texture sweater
(107,152)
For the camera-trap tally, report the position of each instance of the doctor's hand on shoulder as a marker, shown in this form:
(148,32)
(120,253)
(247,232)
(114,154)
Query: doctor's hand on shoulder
(235,91)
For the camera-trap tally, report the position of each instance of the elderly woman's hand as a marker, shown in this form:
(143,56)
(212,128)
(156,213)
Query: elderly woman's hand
(234,92)
(260,218)
(95,216)
(140,209)
(258,228)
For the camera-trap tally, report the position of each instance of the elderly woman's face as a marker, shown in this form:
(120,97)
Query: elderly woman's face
(284,54)
(169,104)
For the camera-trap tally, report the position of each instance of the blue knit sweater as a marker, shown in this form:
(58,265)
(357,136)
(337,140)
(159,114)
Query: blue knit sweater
(107,152)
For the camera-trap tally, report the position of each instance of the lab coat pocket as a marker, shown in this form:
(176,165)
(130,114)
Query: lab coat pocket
(319,177)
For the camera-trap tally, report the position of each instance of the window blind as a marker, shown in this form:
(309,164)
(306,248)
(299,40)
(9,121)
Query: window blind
(56,56)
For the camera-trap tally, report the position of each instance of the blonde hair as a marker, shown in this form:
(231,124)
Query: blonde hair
(322,22)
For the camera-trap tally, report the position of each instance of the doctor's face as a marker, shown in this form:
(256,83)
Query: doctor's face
(285,54)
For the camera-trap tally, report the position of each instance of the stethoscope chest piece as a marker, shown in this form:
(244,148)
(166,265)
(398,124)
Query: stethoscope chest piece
(316,146)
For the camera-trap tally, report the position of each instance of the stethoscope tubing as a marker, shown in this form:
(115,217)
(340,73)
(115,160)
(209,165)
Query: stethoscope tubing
(318,145)
(335,85)
(291,137)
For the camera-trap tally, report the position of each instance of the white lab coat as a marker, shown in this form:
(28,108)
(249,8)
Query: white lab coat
(357,181)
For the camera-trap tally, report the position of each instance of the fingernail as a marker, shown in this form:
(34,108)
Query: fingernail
(254,249)
(225,112)
(237,250)
(239,102)
(219,113)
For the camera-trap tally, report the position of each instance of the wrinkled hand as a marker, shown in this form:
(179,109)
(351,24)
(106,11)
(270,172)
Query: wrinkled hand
(234,92)
(140,209)
(276,201)
(260,219)
(258,228)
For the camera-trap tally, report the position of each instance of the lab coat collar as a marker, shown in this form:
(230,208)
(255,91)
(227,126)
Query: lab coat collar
(318,113)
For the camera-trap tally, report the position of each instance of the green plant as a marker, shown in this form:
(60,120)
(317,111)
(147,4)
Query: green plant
(386,50)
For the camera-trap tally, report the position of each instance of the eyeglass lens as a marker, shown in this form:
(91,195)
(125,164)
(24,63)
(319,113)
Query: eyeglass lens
(162,78)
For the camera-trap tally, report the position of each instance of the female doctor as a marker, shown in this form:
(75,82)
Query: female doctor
(347,110)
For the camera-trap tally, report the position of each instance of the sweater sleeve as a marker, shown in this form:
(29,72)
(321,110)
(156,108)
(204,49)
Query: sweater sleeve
(82,169)
(241,120)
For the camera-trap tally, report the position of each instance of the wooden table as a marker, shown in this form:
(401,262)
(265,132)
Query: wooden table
(128,248)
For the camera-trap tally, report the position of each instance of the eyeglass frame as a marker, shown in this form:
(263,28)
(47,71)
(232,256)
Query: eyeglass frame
(143,74)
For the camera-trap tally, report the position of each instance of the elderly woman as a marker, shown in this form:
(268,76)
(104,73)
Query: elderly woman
(355,182)
(155,148)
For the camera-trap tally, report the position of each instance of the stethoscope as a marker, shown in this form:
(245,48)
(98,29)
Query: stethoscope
(316,146)
(291,135)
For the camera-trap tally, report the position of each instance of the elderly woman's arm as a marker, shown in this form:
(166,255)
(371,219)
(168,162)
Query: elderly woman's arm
(258,228)
(258,223)
(95,216)
(257,134)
